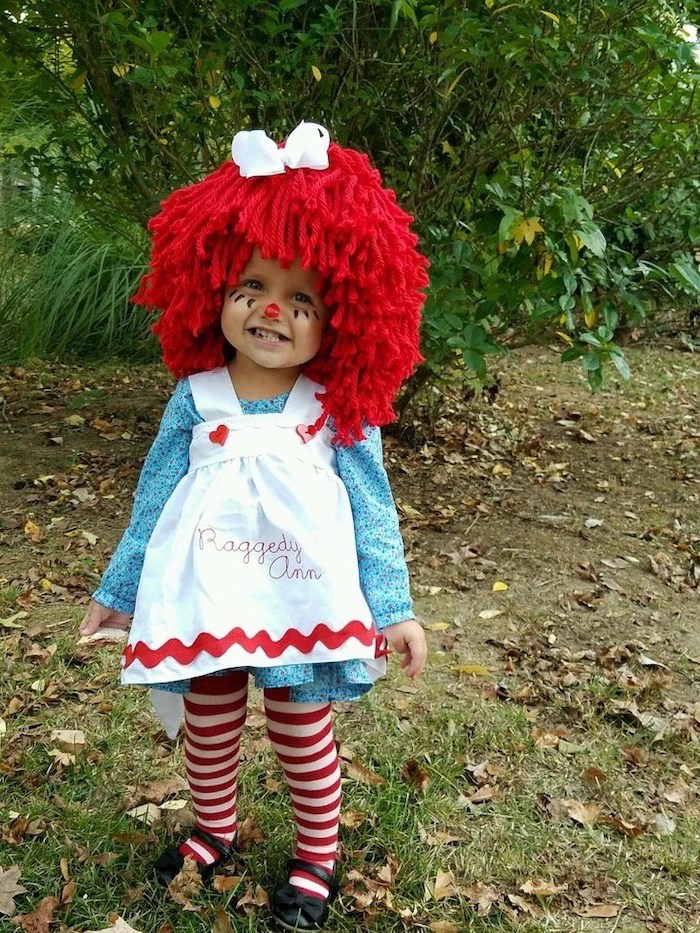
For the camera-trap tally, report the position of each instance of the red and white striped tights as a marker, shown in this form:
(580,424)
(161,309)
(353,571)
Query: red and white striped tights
(302,736)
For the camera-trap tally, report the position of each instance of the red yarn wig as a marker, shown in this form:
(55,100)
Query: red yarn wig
(339,221)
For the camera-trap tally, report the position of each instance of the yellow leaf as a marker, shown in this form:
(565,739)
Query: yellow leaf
(591,317)
(316,72)
(553,16)
(121,70)
(499,587)
(638,168)
(526,230)
(565,337)
(578,241)
(214,102)
(33,532)
(546,264)
(78,81)
(500,470)
(432,38)
(477,670)
(438,626)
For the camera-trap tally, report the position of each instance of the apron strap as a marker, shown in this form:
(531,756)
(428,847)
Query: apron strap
(302,403)
(214,395)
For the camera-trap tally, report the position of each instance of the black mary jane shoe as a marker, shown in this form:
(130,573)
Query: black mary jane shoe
(296,911)
(170,863)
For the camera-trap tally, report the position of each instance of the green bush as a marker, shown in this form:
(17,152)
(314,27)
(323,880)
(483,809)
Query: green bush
(550,156)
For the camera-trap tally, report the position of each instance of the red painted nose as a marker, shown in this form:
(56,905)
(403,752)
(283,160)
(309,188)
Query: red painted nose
(272,311)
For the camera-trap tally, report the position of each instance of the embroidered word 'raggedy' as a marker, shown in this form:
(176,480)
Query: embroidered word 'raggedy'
(286,551)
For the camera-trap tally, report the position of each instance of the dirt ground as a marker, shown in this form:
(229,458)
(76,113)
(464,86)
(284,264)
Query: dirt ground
(584,506)
(542,503)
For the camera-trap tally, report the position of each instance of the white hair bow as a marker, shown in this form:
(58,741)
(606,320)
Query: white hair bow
(256,154)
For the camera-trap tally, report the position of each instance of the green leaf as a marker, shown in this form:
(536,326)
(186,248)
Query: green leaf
(591,361)
(475,361)
(620,363)
(595,378)
(592,236)
(573,353)
(684,272)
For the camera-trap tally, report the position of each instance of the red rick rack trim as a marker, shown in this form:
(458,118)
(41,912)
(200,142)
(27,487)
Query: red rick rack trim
(216,647)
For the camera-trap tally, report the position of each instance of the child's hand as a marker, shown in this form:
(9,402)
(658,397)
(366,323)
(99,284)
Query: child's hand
(100,617)
(408,638)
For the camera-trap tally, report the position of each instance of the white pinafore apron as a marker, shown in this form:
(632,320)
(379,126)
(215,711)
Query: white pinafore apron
(252,562)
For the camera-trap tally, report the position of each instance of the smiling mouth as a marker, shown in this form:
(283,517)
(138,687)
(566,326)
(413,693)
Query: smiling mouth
(270,336)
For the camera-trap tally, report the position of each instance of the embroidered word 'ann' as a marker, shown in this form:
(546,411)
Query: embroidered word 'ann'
(286,551)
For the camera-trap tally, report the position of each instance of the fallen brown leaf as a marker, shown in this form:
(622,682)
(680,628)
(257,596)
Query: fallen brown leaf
(221,924)
(387,873)
(438,838)
(358,772)
(480,896)
(68,892)
(187,884)
(443,886)
(9,889)
(68,740)
(542,888)
(484,794)
(38,921)
(412,773)
(225,883)
(599,911)
(155,792)
(594,778)
(15,831)
(584,813)
(255,896)
(351,819)
(633,755)
(249,834)
(521,904)
(622,826)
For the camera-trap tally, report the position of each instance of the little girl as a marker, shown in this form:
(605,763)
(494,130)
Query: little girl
(264,539)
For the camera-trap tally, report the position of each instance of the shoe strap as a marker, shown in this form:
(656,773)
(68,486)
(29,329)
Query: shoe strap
(225,851)
(318,871)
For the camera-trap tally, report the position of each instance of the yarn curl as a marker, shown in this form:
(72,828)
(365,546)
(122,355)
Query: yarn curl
(342,223)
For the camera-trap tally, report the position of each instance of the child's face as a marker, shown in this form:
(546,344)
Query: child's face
(274,317)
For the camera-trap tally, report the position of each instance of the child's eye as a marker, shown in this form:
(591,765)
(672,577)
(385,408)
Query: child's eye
(255,284)
(302,298)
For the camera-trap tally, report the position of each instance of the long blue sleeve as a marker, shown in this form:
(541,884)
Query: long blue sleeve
(383,572)
(167,462)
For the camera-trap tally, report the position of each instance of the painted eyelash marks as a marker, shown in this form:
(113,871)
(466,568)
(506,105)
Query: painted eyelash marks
(238,297)
(305,312)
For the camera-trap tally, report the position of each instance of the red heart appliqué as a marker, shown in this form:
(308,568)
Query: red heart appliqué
(306,432)
(219,436)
